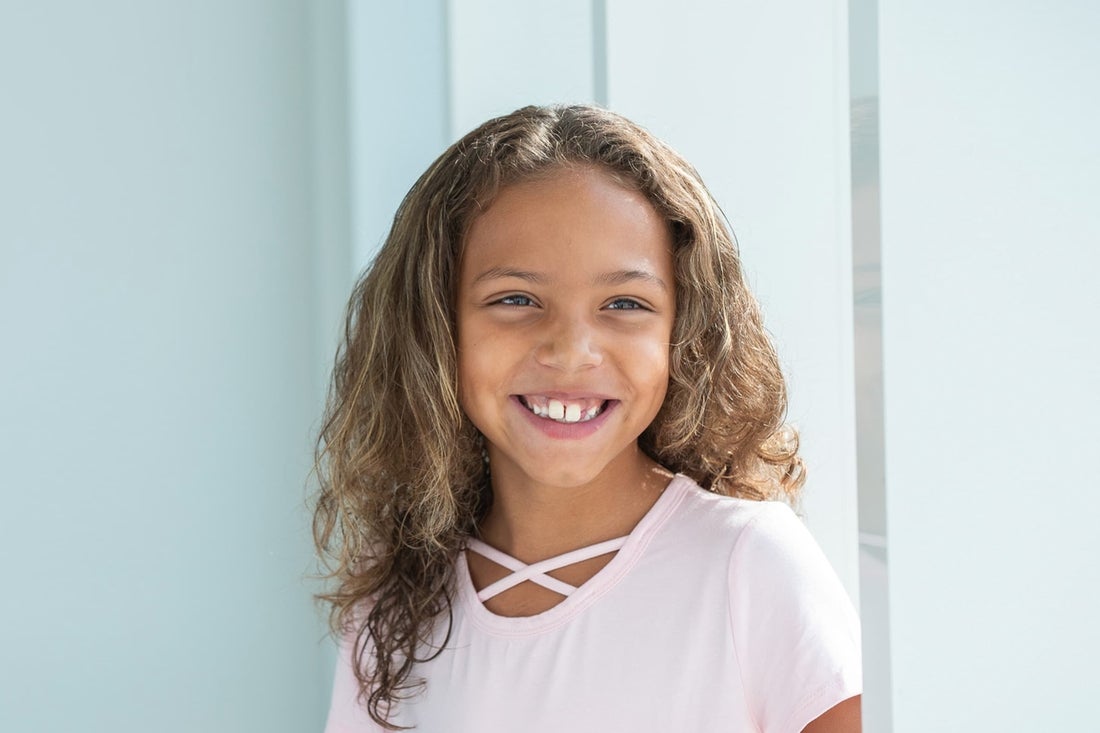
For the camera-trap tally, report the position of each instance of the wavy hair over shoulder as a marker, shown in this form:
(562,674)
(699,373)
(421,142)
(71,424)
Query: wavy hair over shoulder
(401,475)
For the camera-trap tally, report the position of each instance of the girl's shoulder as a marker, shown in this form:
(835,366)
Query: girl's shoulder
(705,518)
(758,546)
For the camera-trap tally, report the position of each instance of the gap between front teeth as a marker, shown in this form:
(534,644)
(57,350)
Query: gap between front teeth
(558,411)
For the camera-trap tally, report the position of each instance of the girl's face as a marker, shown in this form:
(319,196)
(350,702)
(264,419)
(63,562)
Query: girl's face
(566,301)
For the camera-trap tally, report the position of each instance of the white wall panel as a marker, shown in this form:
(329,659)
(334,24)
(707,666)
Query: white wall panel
(756,96)
(990,182)
(504,55)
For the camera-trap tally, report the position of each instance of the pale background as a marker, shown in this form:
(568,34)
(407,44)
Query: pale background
(187,191)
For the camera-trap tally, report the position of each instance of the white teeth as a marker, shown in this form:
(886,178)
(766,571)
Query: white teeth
(559,411)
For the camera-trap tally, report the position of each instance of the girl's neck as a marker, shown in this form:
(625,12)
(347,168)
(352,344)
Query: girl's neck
(532,522)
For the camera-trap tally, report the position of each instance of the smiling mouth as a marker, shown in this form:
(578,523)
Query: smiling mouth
(564,411)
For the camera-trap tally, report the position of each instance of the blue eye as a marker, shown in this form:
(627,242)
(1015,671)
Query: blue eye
(517,300)
(625,304)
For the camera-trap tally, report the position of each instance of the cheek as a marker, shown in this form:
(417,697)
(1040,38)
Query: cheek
(656,350)
(467,378)
(466,339)
(649,368)
(660,381)
(662,355)
(477,373)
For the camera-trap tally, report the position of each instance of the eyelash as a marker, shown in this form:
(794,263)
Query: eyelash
(509,300)
(634,305)
(505,301)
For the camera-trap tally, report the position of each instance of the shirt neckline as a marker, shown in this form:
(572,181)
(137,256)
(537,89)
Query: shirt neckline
(589,591)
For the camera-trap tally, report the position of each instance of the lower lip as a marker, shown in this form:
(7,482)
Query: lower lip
(567,431)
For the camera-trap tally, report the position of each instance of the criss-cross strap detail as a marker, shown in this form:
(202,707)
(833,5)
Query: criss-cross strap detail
(537,572)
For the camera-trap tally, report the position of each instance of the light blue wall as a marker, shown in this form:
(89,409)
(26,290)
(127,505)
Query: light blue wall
(399,103)
(990,164)
(158,383)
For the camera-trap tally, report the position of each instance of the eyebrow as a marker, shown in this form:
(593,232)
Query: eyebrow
(617,277)
(498,272)
(621,277)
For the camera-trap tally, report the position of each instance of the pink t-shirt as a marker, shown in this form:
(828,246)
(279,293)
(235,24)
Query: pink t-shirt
(716,614)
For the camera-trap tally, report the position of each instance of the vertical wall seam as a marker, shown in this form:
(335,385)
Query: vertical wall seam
(449,132)
(866,281)
(599,52)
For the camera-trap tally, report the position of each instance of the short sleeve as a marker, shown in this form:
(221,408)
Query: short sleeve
(346,714)
(794,628)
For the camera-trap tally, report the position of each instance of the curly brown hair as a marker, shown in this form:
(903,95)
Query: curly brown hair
(402,482)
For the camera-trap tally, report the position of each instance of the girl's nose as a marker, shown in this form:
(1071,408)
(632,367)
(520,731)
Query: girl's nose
(569,345)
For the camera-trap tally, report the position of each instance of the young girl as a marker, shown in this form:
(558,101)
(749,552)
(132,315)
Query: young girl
(552,454)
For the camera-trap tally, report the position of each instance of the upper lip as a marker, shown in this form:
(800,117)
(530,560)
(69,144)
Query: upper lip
(565,395)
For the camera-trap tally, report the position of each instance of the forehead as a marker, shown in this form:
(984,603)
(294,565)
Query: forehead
(574,218)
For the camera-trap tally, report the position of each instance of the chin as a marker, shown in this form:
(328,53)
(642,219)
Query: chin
(564,477)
